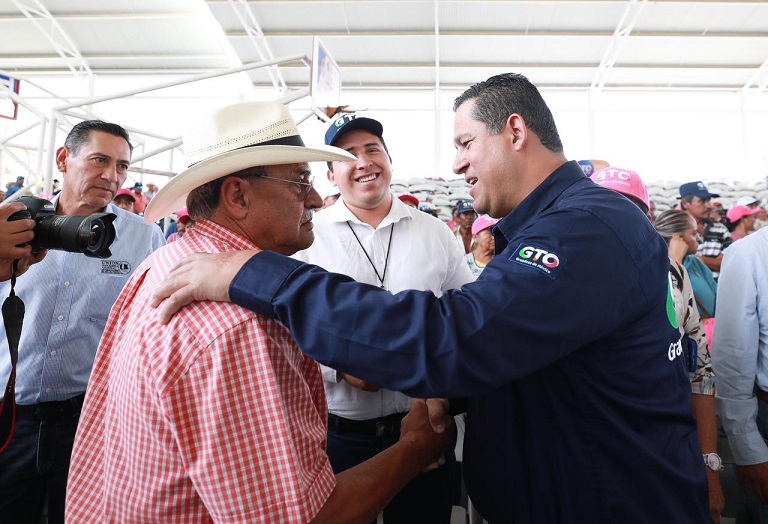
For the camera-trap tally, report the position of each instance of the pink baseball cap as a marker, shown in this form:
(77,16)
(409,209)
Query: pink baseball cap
(481,223)
(623,181)
(736,213)
(182,215)
(126,192)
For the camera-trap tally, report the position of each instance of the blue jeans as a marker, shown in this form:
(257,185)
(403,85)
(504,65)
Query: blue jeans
(35,465)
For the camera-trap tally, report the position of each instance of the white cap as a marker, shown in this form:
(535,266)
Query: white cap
(747,201)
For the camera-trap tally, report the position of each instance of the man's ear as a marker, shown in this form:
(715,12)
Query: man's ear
(61,159)
(331,177)
(516,130)
(236,196)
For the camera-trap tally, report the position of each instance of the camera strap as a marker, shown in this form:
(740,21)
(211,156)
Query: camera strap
(13,317)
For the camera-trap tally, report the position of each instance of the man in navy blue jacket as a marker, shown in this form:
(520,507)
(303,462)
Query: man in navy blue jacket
(566,346)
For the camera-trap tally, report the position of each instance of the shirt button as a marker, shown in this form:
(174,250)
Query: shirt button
(61,317)
(47,390)
(66,283)
(53,353)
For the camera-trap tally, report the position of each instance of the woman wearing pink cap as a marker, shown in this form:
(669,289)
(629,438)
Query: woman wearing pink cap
(183,221)
(483,244)
(741,221)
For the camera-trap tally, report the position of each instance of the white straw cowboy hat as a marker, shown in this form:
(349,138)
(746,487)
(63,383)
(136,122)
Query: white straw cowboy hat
(234,138)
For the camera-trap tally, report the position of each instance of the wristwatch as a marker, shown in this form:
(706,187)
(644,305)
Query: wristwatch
(713,461)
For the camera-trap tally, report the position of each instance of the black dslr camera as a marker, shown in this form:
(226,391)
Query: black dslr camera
(90,235)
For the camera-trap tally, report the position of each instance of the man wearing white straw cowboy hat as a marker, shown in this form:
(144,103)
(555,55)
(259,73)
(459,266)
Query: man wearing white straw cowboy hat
(217,416)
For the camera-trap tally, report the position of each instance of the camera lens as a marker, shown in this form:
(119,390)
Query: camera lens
(102,234)
(91,235)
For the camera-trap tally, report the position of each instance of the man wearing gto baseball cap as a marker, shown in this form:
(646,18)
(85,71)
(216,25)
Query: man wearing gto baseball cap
(219,407)
(695,199)
(372,236)
(465,217)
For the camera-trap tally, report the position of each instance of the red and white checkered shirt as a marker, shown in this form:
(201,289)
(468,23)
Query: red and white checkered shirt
(216,416)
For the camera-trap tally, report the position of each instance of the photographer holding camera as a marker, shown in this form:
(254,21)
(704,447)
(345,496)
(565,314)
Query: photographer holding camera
(14,238)
(68,297)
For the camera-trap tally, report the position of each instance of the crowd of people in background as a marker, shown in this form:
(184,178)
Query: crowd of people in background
(495,308)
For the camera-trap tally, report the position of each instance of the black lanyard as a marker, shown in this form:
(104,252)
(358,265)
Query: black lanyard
(13,317)
(386,260)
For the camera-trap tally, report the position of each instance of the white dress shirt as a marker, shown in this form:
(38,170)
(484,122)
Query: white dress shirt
(740,345)
(423,255)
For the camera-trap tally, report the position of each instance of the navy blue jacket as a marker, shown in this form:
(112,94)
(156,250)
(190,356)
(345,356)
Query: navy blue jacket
(579,402)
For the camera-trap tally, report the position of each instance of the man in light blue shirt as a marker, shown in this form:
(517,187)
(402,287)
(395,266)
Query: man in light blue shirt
(68,297)
(740,360)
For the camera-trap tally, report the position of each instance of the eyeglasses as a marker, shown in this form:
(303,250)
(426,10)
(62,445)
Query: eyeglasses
(306,187)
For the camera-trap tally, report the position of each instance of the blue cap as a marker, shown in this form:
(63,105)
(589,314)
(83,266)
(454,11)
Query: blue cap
(346,123)
(696,189)
(465,206)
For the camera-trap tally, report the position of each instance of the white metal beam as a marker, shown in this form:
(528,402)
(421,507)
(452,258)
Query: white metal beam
(107,16)
(258,40)
(50,28)
(759,79)
(436,112)
(620,35)
(492,33)
(59,111)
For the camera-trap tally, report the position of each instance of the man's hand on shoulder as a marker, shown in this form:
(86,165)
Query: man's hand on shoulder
(202,276)
(755,478)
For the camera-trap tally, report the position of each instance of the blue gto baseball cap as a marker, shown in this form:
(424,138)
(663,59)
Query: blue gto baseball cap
(347,123)
(465,206)
(696,189)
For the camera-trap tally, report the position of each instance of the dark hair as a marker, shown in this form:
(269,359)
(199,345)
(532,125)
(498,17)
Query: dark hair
(672,222)
(79,134)
(503,95)
(203,201)
(688,199)
(384,144)
(730,225)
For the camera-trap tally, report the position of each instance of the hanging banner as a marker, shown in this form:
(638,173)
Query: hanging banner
(8,108)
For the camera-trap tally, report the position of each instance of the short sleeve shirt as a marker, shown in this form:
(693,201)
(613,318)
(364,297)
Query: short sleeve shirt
(216,416)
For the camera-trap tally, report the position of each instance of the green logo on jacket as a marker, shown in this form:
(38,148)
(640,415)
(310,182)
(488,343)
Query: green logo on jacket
(671,314)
